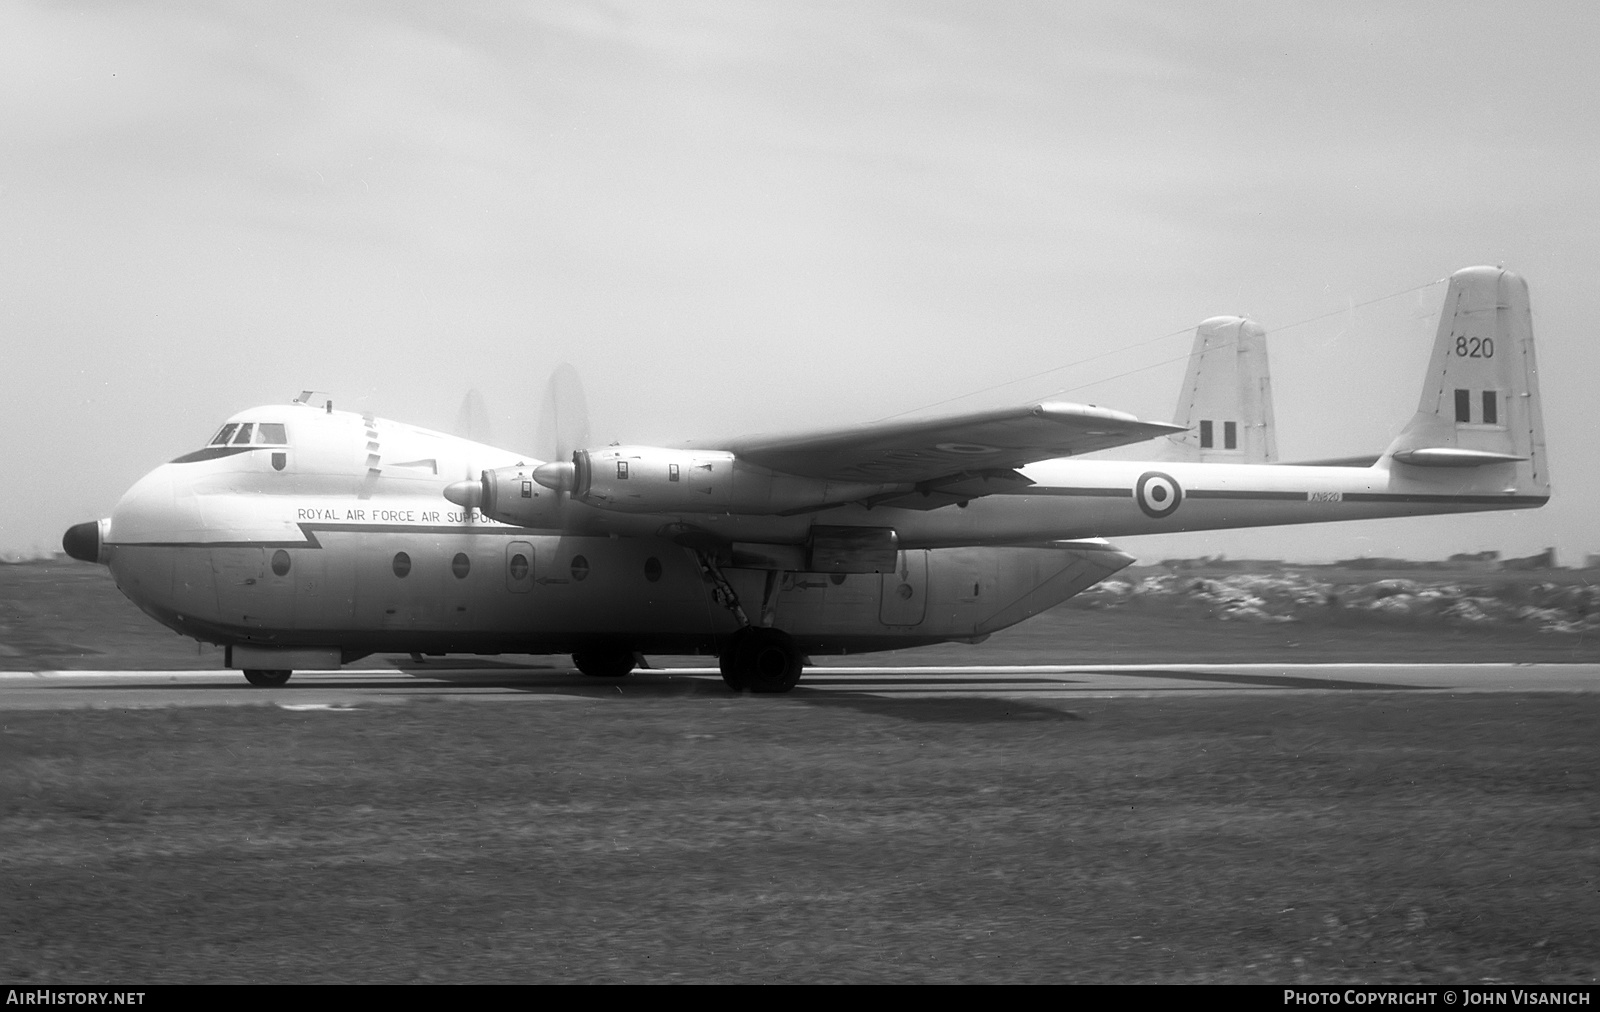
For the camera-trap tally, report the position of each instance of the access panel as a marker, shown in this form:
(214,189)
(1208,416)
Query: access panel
(905,591)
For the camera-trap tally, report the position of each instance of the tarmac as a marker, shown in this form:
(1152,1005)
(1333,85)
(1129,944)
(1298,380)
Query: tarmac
(502,681)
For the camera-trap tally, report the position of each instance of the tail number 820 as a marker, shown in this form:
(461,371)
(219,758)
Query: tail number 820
(1475,347)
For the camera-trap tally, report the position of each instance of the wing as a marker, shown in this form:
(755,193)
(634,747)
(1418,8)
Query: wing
(965,456)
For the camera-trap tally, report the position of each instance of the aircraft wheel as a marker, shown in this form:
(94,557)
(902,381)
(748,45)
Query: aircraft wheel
(728,662)
(604,663)
(266,679)
(764,660)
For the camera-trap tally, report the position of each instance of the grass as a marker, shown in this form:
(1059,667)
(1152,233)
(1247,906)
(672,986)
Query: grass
(1318,838)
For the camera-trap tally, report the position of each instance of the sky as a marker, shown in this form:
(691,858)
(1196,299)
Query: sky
(759,216)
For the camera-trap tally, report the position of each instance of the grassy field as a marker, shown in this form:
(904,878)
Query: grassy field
(69,615)
(1325,838)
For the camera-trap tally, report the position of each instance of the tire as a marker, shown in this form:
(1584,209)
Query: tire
(604,663)
(728,661)
(266,679)
(766,660)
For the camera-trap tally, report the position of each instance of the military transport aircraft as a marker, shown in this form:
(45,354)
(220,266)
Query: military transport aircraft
(305,537)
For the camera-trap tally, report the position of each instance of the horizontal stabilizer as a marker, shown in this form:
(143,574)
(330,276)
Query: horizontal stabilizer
(1450,456)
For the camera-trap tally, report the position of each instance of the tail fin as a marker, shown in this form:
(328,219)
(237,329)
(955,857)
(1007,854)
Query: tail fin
(1226,399)
(1480,403)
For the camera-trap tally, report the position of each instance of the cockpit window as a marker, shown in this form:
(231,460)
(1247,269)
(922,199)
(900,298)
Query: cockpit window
(241,437)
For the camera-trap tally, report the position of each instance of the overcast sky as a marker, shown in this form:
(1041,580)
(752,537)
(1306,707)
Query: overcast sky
(755,216)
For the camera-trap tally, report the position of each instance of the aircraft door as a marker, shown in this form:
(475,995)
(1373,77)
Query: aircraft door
(519,567)
(905,591)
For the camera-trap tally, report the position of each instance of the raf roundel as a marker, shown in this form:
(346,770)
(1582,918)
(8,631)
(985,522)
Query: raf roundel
(1159,495)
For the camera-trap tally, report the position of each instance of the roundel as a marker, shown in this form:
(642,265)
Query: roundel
(1157,494)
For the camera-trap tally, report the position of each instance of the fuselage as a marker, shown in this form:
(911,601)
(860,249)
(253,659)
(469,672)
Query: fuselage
(339,537)
(320,528)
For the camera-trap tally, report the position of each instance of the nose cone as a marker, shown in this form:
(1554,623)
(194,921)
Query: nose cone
(558,476)
(82,541)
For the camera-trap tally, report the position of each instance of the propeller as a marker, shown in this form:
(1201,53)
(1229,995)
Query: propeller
(472,421)
(564,419)
(563,429)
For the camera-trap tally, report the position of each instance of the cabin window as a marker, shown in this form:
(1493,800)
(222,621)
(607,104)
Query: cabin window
(242,437)
(519,566)
(672,472)
(1205,435)
(1491,407)
(1230,435)
(1463,405)
(280,563)
(580,568)
(402,564)
(652,569)
(461,565)
(622,469)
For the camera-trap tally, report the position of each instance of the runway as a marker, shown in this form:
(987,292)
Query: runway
(499,681)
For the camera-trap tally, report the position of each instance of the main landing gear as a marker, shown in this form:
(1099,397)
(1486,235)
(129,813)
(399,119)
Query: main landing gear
(758,659)
(266,679)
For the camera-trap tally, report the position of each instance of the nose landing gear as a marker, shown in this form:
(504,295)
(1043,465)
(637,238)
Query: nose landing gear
(758,659)
(604,663)
(266,679)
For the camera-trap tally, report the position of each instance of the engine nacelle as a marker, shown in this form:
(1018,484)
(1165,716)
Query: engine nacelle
(510,495)
(652,479)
